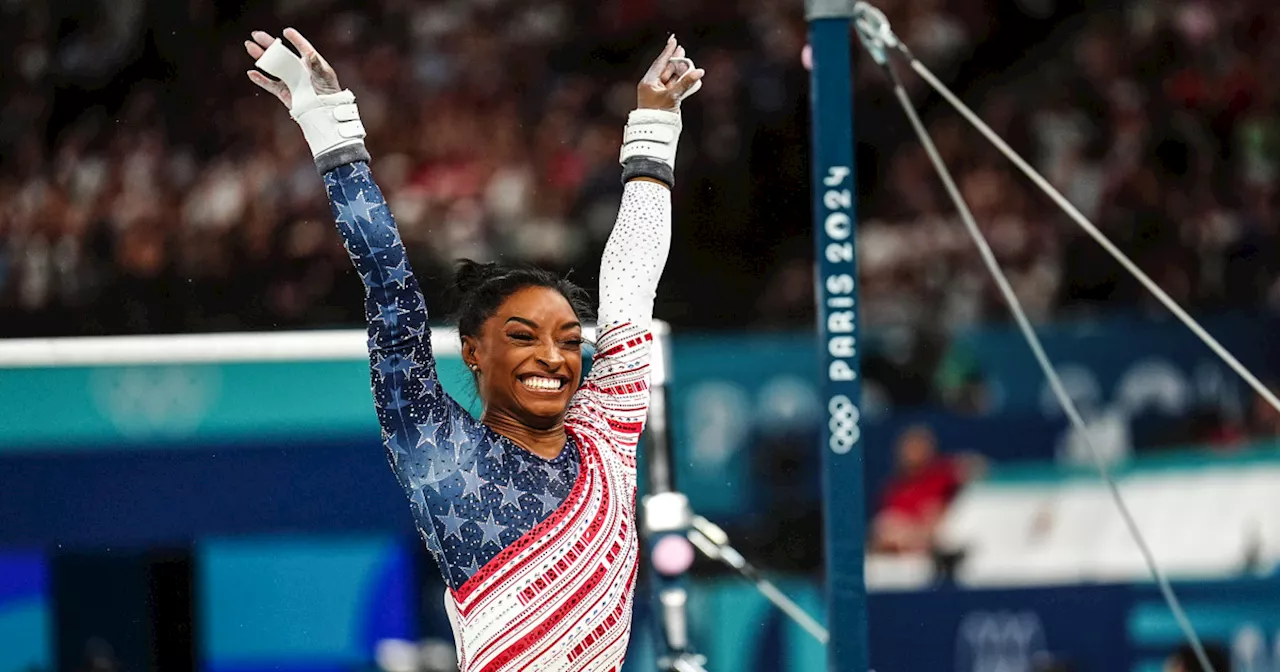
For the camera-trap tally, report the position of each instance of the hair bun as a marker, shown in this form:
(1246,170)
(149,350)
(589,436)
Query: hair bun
(481,288)
(469,275)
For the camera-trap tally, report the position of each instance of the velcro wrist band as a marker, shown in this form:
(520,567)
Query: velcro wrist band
(653,135)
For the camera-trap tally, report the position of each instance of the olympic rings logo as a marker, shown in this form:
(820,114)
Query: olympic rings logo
(156,401)
(843,423)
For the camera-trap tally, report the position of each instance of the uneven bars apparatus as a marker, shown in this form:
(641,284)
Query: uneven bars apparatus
(877,36)
(836,274)
(668,523)
(835,226)
(667,516)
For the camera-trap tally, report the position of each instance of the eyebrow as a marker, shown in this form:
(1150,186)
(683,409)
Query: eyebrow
(534,325)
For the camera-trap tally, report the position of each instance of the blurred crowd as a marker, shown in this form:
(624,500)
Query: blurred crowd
(147,186)
(1154,118)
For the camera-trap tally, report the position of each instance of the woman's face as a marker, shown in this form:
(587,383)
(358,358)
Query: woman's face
(529,356)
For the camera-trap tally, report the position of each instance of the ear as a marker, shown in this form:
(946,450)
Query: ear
(471,352)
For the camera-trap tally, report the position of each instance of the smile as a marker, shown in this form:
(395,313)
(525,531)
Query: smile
(541,384)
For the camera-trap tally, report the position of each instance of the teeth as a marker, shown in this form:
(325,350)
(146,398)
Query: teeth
(537,383)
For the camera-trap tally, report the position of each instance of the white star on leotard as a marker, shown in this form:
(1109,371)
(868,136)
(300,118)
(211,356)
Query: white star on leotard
(552,473)
(359,207)
(471,482)
(510,494)
(398,274)
(452,524)
(548,501)
(489,529)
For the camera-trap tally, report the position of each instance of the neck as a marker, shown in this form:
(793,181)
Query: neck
(545,443)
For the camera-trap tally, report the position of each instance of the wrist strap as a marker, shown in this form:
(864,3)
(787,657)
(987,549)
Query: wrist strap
(639,166)
(331,121)
(328,121)
(653,135)
(341,156)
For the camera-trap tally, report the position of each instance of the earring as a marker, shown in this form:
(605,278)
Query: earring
(475,367)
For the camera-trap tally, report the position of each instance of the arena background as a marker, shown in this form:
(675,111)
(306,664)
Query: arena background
(241,517)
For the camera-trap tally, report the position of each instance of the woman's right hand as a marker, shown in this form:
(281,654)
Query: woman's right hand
(323,79)
(670,79)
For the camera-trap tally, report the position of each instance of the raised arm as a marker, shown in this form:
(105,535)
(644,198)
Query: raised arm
(636,253)
(394,307)
(422,427)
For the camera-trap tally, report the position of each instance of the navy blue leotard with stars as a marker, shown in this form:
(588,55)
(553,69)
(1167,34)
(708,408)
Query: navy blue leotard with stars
(472,491)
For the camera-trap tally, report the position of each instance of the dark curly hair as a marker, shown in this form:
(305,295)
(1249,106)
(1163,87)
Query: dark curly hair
(482,287)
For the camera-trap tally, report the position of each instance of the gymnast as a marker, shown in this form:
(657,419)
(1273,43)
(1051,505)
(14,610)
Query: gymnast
(529,511)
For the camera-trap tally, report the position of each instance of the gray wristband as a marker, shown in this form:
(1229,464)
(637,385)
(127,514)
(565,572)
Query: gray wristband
(639,166)
(341,157)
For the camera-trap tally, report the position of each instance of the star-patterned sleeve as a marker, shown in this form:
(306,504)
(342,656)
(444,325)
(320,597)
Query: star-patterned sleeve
(616,393)
(426,433)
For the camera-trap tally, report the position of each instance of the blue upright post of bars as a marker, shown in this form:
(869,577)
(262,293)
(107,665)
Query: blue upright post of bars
(835,225)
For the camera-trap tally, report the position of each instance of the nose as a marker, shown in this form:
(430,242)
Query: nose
(549,355)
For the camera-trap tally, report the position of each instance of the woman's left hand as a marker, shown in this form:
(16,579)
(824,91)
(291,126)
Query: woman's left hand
(670,79)
(323,79)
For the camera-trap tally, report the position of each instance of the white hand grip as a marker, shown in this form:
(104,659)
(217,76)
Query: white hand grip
(653,134)
(688,62)
(327,121)
(280,62)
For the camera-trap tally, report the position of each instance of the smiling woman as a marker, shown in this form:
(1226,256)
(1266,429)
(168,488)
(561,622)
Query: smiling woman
(530,511)
(521,332)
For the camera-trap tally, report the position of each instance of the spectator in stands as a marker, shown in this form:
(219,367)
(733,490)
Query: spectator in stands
(917,496)
(1184,659)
